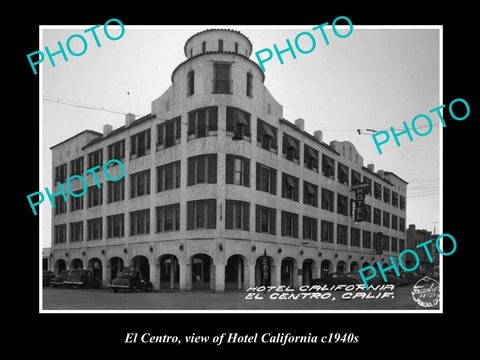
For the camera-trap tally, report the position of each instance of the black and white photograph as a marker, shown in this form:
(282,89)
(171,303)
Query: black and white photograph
(284,185)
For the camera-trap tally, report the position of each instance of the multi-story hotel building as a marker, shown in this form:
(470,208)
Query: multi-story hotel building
(214,178)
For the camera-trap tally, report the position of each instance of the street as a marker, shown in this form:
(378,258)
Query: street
(104,299)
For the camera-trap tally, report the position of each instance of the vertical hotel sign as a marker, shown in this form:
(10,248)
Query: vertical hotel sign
(360,191)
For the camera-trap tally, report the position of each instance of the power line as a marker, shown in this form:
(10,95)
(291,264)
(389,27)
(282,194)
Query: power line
(80,105)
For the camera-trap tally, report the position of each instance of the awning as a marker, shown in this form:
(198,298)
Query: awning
(310,188)
(267,130)
(240,118)
(309,152)
(291,142)
(329,162)
(356,177)
(290,181)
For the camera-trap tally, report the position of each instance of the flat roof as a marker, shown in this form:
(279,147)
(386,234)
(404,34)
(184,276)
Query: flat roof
(74,136)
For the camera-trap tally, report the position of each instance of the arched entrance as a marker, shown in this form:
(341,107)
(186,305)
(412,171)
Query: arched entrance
(76,264)
(140,264)
(95,266)
(116,267)
(202,269)
(354,266)
(169,272)
(341,266)
(365,264)
(234,273)
(263,271)
(60,265)
(326,268)
(307,271)
(287,272)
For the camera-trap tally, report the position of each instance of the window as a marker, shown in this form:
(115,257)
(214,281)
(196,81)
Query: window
(356,178)
(202,169)
(221,78)
(310,228)
(236,47)
(140,222)
(117,150)
(355,237)
(168,176)
(76,166)
(386,243)
(342,174)
(377,191)
(327,199)
(204,47)
(377,216)
(289,224)
(190,82)
(94,195)
(401,245)
(394,244)
(394,199)
(116,190)
(310,194)
(202,214)
(60,205)
(386,195)
(140,184)
(76,231)
(342,234)
(394,222)
(249,82)
(237,170)
(237,215)
(238,123)
(94,229)
(368,181)
(115,226)
(290,148)
(202,122)
(328,166)
(61,173)
(402,202)
(220,45)
(366,239)
(60,234)
(140,144)
(76,202)
(266,179)
(386,219)
(310,158)
(326,234)
(289,187)
(168,218)
(265,220)
(342,205)
(95,158)
(401,226)
(266,136)
(169,133)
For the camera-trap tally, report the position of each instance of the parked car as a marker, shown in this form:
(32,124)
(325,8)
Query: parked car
(336,278)
(48,277)
(130,280)
(60,278)
(355,276)
(81,278)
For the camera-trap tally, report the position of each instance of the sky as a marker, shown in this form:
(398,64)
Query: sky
(373,79)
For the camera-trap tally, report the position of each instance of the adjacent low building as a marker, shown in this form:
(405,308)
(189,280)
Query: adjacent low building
(215,178)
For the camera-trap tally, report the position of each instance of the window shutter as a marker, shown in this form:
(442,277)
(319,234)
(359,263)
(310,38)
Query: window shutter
(246,172)
(202,123)
(212,118)
(177,174)
(258,175)
(212,168)
(229,169)
(229,215)
(211,214)
(273,222)
(295,226)
(160,219)
(190,215)
(178,126)
(230,119)
(273,182)
(191,171)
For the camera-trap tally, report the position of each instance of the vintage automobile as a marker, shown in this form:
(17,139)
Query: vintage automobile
(60,279)
(130,280)
(336,278)
(355,276)
(81,278)
(48,277)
